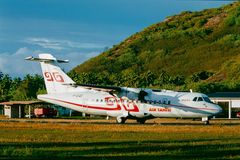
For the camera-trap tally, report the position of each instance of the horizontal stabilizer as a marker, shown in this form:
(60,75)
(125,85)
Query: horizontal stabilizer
(47,59)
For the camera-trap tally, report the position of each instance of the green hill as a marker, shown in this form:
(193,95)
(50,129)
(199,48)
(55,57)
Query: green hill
(189,50)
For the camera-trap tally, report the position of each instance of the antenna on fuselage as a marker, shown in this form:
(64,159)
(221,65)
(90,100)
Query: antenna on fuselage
(191,90)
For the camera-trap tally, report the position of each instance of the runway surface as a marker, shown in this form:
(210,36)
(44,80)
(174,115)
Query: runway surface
(157,121)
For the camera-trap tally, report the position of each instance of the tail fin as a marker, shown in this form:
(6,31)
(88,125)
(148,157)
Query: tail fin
(56,80)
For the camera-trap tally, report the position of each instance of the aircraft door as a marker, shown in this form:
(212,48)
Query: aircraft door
(84,102)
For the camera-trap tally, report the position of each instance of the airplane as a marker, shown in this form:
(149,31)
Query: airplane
(120,102)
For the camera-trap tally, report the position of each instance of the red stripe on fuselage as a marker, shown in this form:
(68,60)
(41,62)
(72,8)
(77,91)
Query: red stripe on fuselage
(86,106)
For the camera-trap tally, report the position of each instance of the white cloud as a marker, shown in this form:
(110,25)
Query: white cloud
(45,43)
(15,65)
(62,44)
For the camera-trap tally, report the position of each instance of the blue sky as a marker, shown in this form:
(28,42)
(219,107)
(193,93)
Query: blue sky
(76,29)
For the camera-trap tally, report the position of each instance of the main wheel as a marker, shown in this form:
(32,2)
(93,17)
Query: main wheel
(206,122)
(121,120)
(141,121)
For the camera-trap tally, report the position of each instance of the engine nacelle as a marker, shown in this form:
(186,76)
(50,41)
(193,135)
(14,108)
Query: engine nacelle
(138,114)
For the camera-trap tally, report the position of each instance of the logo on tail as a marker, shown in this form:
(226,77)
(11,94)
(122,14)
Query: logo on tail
(55,76)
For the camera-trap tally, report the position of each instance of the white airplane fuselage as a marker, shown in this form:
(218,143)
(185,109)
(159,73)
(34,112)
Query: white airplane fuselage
(127,103)
(160,104)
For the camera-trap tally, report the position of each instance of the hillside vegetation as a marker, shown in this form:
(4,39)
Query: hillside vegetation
(198,50)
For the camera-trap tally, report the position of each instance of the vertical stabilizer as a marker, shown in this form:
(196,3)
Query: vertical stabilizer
(56,80)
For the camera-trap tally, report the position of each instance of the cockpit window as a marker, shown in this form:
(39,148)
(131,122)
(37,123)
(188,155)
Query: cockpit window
(195,99)
(207,99)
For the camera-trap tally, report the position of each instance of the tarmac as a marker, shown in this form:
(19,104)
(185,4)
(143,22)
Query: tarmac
(157,121)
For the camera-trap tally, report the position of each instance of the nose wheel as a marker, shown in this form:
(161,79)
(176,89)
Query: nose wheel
(205,120)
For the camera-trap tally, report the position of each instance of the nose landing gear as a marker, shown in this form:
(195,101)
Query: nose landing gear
(205,120)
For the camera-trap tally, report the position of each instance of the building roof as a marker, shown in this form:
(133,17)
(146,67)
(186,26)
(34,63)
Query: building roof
(22,102)
(225,95)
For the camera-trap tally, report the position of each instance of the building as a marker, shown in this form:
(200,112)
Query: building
(1,110)
(229,101)
(21,109)
(17,109)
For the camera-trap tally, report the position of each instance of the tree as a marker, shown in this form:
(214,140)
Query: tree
(5,84)
(162,79)
(177,80)
(1,75)
(147,79)
(203,75)
(29,87)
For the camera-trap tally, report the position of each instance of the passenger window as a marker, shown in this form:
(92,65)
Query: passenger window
(195,99)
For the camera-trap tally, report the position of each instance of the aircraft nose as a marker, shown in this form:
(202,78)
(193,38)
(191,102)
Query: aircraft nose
(219,109)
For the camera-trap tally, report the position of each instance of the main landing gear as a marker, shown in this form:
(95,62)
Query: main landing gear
(141,121)
(121,120)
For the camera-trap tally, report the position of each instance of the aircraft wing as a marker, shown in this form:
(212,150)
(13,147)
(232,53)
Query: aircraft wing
(131,93)
(101,88)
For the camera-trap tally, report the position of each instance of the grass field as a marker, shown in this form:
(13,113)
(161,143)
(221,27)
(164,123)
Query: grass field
(101,139)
